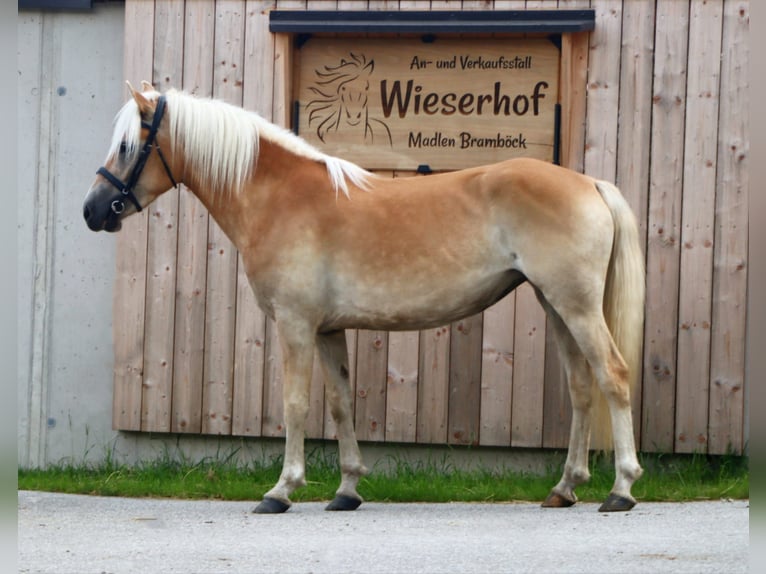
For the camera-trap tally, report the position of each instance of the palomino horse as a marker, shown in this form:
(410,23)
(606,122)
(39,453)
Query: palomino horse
(315,235)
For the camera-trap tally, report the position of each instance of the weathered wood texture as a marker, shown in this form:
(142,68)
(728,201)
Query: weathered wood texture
(655,99)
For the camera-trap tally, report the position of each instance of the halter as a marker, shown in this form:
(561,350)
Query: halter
(126,189)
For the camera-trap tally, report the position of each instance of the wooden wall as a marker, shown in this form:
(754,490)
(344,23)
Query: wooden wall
(657,102)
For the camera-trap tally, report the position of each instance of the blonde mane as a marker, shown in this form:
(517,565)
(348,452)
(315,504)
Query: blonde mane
(221,141)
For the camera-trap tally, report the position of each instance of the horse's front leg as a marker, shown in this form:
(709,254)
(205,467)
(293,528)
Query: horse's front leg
(334,355)
(297,343)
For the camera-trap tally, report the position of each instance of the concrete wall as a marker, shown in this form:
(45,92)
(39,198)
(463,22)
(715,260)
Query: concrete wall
(69,88)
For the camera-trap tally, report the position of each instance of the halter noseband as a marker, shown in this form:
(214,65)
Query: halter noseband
(126,189)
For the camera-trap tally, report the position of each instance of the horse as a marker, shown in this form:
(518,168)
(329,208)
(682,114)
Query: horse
(314,233)
(341,102)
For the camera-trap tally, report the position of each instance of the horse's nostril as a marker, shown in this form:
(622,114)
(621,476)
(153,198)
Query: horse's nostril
(86,213)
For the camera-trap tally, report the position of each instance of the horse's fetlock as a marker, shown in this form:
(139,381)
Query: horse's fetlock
(293,479)
(632,471)
(578,476)
(354,470)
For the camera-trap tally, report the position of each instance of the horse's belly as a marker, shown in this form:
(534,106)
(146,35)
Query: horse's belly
(407,305)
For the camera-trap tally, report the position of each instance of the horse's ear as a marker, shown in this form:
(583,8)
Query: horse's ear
(146,86)
(369,67)
(144,105)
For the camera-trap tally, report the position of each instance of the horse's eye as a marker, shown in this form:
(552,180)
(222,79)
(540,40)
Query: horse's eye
(123,148)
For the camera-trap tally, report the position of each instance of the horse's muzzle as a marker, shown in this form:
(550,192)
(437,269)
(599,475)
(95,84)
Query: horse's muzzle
(99,216)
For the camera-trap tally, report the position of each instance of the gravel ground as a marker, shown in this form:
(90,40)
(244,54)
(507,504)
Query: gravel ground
(59,533)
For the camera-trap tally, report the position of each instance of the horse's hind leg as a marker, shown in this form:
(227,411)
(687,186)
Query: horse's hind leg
(611,373)
(580,382)
(334,355)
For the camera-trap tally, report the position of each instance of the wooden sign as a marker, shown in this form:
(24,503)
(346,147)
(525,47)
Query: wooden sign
(453,103)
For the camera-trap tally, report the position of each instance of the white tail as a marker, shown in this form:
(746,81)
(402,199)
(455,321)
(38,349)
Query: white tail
(623,299)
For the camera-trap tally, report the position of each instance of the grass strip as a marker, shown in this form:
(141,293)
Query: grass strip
(696,477)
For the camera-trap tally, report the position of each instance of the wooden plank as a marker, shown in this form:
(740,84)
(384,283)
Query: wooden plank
(574,77)
(465,381)
(283,73)
(130,275)
(405,5)
(498,5)
(222,256)
(191,273)
(433,385)
(727,359)
(162,241)
(697,232)
(258,88)
(603,91)
(634,131)
(497,373)
(371,362)
(250,335)
(402,386)
(635,111)
(664,225)
(528,370)
(189,340)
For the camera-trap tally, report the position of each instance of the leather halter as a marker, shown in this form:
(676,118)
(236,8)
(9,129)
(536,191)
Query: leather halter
(126,188)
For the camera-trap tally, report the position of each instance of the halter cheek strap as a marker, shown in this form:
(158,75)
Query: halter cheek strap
(126,189)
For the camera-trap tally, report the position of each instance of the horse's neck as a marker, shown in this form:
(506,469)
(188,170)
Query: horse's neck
(280,177)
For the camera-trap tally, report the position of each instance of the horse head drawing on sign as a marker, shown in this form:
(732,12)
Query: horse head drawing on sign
(341,103)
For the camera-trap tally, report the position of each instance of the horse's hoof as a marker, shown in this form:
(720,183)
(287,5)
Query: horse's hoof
(343,502)
(271,506)
(556,500)
(617,503)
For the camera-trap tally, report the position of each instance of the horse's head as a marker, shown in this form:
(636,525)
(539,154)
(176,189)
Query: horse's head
(353,99)
(342,92)
(353,92)
(132,176)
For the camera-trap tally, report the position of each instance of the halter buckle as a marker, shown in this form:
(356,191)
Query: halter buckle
(118,206)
